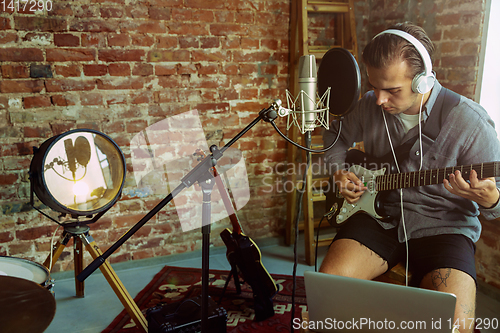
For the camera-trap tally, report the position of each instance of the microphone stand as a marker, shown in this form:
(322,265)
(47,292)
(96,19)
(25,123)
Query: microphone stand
(201,174)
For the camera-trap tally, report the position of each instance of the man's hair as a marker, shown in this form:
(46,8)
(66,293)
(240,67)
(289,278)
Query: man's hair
(383,50)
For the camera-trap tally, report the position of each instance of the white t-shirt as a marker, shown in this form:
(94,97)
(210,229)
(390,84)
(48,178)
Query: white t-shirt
(409,121)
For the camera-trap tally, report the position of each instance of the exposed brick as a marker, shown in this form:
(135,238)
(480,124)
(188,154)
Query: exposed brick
(64,100)
(34,233)
(112,84)
(138,11)
(142,69)
(20,248)
(167,42)
(126,221)
(61,55)
(39,71)
(66,40)
(40,23)
(189,42)
(142,40)
(8,178)
(7,37)
(208,69)
(459,61)
(156,13)
(5,23)
(94,26)
(135,126)
(196,29)
(108,12)
(113,99)
(91,99)
(68,70)
(60,85)
(86,11)
(119,69)
(210,42)
(205,4)
(228,30)
(152,27)
(141,98)
(165,69)
(167,55)
(97,40)
(21,86)
(37,102)
(17,54)
(118,40)
(6,236)
(15,72)
(216,56)
(37,131)
(95,70)
(121,55)
(60,9)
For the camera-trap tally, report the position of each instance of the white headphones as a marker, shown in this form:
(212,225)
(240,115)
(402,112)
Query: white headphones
(423,82)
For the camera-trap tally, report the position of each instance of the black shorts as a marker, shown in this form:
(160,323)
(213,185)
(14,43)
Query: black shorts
(425,254)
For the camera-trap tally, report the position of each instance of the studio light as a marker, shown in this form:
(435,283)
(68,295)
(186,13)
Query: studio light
(80,172)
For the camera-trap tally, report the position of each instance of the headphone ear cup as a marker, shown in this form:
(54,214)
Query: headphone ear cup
(423,83)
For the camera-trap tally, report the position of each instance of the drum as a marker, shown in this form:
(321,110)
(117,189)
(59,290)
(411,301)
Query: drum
(25,269)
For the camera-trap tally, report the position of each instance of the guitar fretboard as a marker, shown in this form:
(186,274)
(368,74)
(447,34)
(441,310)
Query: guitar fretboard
(434,176)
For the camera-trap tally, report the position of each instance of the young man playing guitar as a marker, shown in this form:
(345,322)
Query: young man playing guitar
(437,224)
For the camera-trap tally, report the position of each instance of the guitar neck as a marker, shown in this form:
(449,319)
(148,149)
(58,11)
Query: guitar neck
(434,176)
(227,204)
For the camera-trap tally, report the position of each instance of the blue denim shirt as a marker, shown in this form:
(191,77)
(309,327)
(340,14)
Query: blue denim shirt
(467,137)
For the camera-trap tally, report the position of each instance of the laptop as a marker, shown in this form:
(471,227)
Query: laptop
(340,304)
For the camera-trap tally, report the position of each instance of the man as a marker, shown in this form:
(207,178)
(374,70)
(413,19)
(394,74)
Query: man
(438,222)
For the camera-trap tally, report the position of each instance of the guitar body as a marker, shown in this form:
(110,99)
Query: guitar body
(243,253)
(368,201)
(366,168)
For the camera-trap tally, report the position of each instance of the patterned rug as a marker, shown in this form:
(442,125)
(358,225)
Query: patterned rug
(173,284)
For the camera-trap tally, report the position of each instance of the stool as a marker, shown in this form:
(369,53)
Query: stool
(397,275)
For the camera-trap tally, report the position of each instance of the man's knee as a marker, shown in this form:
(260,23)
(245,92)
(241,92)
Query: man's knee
(463,286)
(347,257)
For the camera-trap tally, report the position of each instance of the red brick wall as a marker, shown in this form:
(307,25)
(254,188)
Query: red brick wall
(119,66)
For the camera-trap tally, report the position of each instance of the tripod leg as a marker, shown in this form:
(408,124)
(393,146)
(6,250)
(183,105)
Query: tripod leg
(117,286)
(236,278)
(232,274)
(58,249)
(78,258)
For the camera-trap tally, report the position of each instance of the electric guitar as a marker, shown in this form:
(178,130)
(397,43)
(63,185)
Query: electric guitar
(378,180)
(244,257)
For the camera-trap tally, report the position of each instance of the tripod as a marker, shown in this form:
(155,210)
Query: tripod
(81,236)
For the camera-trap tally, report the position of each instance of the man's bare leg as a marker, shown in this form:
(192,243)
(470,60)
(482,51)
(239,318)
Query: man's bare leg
(461,285)
(347,257)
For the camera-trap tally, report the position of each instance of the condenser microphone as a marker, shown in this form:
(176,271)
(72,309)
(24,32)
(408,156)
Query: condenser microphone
(308,80)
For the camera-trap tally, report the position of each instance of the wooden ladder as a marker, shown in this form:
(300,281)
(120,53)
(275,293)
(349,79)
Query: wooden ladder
(343,34)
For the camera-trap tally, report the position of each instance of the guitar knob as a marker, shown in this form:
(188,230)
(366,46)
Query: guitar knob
(340,218)
(343,210)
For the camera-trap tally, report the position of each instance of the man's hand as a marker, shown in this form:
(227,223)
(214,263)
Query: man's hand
(483,191)
(349,185)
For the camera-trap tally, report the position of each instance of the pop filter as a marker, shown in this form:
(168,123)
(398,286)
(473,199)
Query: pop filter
(339,71)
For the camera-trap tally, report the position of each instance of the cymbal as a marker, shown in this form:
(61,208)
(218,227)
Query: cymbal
(25,306)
